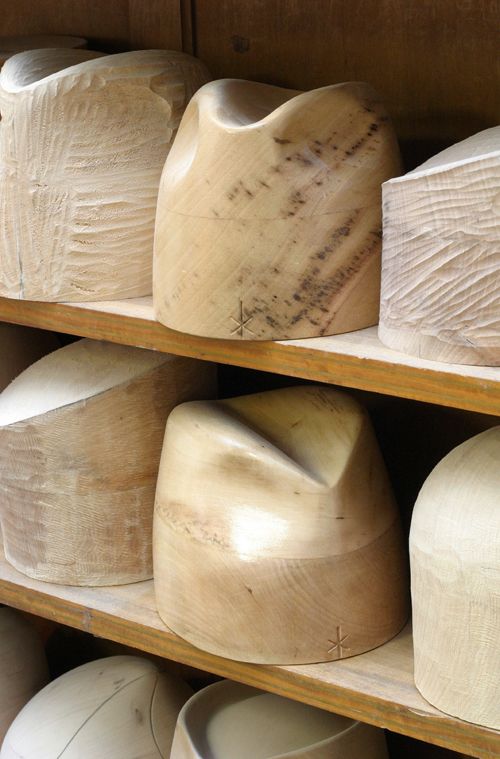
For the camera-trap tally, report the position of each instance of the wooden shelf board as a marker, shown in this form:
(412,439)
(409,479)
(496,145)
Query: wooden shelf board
(357,359)
(376,687)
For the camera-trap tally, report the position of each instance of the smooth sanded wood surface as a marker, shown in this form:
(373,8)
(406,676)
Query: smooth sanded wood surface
(356,359)
(376,687)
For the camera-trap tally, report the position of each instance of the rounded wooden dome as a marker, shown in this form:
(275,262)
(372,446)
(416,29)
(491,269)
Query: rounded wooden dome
(121,707)
(20,347)
(229,720)
(10,45)
(455,582)
(276,537)
(269,212)
(441,256)
(84,140)
(23,665)
(81,432)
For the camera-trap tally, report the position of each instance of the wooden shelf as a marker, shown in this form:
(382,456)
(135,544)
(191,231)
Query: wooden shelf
(376,687)
(357,359)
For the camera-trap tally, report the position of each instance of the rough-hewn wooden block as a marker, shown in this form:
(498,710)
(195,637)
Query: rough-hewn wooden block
(269,212)
(121,707)
(229,720)
(455,568)
(83,140)
(23,666)
(20,347)
(441,256)
(276,537)
(80,441)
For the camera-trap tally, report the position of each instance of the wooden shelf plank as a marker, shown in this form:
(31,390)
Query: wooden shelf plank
(357,360)
(376,687)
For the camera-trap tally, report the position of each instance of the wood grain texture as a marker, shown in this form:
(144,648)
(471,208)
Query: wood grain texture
(455,563)
(155,24)
(357,359)
(269,212)
(435,65)
(276,538)
(81,434)
(9,46)
(440,294)
(121,707)
(376,687)
(82,147)
(229,719)
(23,665)
(20,347)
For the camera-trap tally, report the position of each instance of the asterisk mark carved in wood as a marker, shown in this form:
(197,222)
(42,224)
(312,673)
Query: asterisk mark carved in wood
(338,644)
(241,323)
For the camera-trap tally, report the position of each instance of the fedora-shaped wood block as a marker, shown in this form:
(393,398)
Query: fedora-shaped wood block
(121,707)
(441,256)
(276,538)
(9,46)
(455,582)
(23,666)
(83,140)
(20,347)
(229,720)
(269,212)
(80,441)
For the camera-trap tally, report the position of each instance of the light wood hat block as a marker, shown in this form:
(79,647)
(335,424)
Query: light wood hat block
(23,665)
(455,582)
(232,721)
(269,212)
(276,538)
(81,433)
(20,347)
(441,256)
(10,45)
(83,141)
(121,707)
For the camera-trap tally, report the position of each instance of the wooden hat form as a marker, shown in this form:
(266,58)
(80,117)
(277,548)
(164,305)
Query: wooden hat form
(82,147)
(455,582)
(80,441)
(229,720)
(269,212)
(276,538)
(11,45)
(23,666)
(121,707)
(20,347)
(441,256)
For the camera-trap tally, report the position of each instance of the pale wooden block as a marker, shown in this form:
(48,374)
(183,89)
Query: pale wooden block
(80,440)
(269,212)
(23,666)
(441,256)
(83,140)
(20,347)
(276,538)
(455,571)
(121,707)
(10,45)
(229,720)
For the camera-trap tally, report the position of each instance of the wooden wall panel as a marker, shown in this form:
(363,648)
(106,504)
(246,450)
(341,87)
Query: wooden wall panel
(435,62)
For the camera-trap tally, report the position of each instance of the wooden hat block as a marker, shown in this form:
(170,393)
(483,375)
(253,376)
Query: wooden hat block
(229,720)
(23,666)
(83,141)
(80,441)
(121,707)
(455,582)
(20,347)
(441,256)
(9,46)
(269,212)
(276,538)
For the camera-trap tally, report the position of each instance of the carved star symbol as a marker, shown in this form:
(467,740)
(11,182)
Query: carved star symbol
(241,323)
(338,644)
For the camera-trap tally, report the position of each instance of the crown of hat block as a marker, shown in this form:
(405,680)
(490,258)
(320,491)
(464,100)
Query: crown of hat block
(121,707)
(83,140)
(276,538)
(441,256)
(23,666)
(455,582)
(10,45)
(269,212)
(80,440)
(20,347)
(228,720)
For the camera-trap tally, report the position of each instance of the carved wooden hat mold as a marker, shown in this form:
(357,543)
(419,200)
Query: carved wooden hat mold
(83,140)
(10,45)
(269,212)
